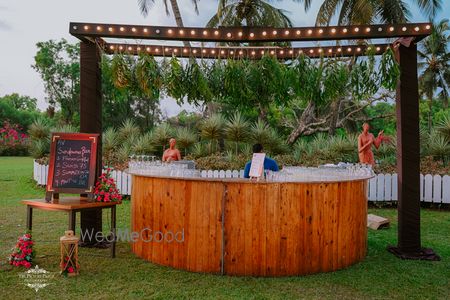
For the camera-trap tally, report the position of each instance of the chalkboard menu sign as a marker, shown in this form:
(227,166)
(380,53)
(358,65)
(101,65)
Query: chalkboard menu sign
(72,163)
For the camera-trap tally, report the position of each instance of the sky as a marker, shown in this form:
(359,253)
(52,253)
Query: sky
(24,23)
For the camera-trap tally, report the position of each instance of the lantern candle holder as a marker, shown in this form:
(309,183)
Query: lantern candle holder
(69,254)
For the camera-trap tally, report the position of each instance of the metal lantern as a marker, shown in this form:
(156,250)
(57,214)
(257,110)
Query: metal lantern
(69,254)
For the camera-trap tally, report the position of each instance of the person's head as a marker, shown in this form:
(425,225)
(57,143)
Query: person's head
(366,127)
(257,148)
(172,142)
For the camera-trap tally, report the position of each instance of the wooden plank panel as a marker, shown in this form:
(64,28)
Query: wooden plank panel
(373,189)
(387,187)
(446,189)
(394,187)
(437,189)
(428,188)
(380,187)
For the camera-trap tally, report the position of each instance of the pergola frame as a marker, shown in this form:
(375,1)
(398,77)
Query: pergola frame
(92,37)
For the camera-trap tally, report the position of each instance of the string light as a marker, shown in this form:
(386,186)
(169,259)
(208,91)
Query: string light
(349,49)
(274,32)
(339,49)
(157,50)
(229,34)
(298,32)
(185,50)
(380,29)
(378,48)
(99,28)
(170,31)
(291,51)
(344,30)
(286,32)
(428,27)
(320,31)
(110,29)
(311,51)
(252,34)
(181,32)
(358,49)
(309,31)
(203,51)
(240,33)
(416,28)
(122,29)
(272,52)
(145,30)
(240,52)
(333,30)
(167,49)
(403,28)
(391,28)
(194,51)
(222,52)
(368,29)
(253,52)
(138,48)
(86,27)
(216,32)
(264,33)
(175,50)
(213,51)
(148,49)
(262,52)
(133,29)
(205,32)
(281,52)
(356,29)
(231,52)
(120,47)
(320,50)
(111,47)
(192,32)
(330,50)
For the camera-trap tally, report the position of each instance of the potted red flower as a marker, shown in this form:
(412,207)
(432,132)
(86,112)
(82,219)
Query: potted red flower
(105,189)
(23,252)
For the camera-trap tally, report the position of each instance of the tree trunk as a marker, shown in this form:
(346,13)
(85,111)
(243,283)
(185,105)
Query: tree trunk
(306,118)
(334,107)
(430,113)
(178,19)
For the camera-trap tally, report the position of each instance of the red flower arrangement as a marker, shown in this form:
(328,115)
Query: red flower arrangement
(12,142)
(105,188)
(23,252)
(69,267)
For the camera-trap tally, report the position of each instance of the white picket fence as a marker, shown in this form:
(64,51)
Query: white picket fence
(383,187)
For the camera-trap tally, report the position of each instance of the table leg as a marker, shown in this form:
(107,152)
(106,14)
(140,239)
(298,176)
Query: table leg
(72,220)
(113,231)
(29,217)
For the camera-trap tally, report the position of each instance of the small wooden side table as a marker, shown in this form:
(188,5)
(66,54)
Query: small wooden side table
(72,205)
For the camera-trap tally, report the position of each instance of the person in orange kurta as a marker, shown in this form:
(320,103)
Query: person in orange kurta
(171,154)
(365,142)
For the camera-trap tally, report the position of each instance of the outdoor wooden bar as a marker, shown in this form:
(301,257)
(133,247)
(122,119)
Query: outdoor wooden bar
(237,227)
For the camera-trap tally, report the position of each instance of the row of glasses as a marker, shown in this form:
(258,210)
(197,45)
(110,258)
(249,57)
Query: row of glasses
(148,165)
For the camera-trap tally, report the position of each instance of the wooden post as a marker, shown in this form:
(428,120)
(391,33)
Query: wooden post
(408,155)
(91,122)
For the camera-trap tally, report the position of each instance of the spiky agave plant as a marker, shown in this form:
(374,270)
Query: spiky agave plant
(39,129)
(212,130)
(162,135)
(128,131)
(198,150)
(185,138)
(143,144)
(68,128)
(438,146)
(39,148)
(237,129)
(110,142)
(444,126)
(260,132)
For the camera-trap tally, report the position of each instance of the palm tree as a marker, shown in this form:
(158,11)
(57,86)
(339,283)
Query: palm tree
(435,66)
(369,11)
(248,13)
(145,5)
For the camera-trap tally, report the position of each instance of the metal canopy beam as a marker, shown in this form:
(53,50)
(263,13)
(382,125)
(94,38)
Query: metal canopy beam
(249,34)
(244,52)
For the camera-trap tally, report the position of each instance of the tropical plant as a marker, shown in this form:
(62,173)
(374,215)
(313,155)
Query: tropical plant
(438,146)
(368,12)
(162,135)
(39,148)
(185,138)
(110,143)
(145,5)
(39,129)
(237,129)
(129,131)
(260,132)
(444,126)
(148,76)
(248,13)
(435,65)
(143,144)
(121,73)
(212,130)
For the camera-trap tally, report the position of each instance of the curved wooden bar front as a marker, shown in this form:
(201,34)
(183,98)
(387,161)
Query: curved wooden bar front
(236,227)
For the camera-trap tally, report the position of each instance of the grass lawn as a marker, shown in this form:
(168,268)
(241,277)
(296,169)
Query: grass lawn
(380,276)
